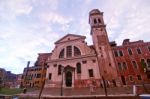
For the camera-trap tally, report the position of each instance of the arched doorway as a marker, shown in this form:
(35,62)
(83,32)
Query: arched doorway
(68,77)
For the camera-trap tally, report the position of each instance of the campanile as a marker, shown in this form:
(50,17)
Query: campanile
(102,46)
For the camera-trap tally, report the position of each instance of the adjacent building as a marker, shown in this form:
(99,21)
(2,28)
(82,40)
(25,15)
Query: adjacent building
(7,79)
(133,62)
(2,76)
(35,75)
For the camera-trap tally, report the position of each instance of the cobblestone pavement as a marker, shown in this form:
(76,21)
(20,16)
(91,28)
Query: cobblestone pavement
(82,91)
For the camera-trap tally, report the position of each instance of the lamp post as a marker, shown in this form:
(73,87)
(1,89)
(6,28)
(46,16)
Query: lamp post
(26,74)
(105,88)
(62,70)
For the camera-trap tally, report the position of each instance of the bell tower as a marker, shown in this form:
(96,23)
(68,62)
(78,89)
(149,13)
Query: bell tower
(103,49)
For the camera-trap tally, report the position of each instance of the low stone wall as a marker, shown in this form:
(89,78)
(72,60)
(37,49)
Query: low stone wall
(140,89)
(82,97)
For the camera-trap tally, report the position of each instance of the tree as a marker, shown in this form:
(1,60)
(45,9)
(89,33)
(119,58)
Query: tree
(144,69)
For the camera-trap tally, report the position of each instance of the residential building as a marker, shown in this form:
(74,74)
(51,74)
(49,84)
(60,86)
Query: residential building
(35,75)
(133,62)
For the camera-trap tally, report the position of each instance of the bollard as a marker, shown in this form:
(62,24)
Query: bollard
(134,90)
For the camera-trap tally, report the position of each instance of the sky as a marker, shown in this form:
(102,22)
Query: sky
(29,27)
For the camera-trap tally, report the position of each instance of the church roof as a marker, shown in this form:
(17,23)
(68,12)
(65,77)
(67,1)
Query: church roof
(70,37)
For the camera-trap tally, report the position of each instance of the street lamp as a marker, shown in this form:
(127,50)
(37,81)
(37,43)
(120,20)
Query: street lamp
(104,83)
(61,91)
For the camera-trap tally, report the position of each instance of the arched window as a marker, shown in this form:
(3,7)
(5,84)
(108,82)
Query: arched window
(138,50)
(119,66)
(116,53)
(76,51)
(121,53)
(124,66)
(99,20)
(148,62)
(69,51)
(143,63)
(61,55)
(95,21)
(78,68)
(129,51)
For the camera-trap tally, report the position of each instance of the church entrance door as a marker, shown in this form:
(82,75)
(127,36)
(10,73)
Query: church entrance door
(68,79)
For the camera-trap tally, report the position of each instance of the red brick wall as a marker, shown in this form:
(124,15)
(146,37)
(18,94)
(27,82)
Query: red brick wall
(131,71)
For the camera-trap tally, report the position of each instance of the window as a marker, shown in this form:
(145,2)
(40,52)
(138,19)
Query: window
(138,50)
(131,78)
(149,48)
(0,80)
(78,68)
(143,63)
(134,64)
(148,76)
(95,21)
(119,66)
(99,20)
(148,62)
(84,62)
(139,77)
(69,51)
(59,70)
(116,53)
(38,76)
(76,51)
(110,64)
(129,51)
(124,66)
(120,52)
(55,65)
(91,73)
(94,60)
(61,55)
(142,60)
(50,76)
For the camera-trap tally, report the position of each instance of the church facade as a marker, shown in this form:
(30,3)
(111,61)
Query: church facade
(73,63)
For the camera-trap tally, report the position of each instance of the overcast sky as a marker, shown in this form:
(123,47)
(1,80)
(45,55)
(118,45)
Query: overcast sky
(29,27)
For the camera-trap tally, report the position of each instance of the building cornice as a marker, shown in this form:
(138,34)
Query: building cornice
(72,58)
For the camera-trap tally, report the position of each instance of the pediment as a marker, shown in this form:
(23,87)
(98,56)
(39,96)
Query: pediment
(70,37)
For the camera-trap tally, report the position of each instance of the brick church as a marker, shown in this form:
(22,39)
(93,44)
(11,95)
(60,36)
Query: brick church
(73,63)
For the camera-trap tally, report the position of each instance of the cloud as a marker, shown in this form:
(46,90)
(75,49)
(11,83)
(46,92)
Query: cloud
(54,18)
(10,9)
(28,27)
(129,19)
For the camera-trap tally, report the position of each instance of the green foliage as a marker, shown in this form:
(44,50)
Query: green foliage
(143,64)
(8,91)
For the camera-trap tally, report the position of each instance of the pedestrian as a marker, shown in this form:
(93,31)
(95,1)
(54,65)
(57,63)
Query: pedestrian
(91,88)
(94,85)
